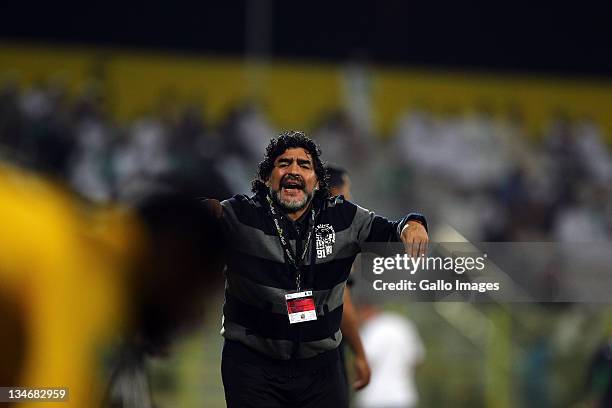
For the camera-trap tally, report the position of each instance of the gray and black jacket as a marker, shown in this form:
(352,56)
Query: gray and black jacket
(257,276)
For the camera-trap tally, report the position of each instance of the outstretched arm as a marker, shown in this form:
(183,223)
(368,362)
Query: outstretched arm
(411,230)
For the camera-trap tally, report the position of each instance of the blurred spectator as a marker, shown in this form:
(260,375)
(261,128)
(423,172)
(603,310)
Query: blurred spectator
(81,283)
(338,137)
(394,350)
(583,218)
(144,154)
(244,135)
(90,171)
(593,152)
(169,289)
(340,184)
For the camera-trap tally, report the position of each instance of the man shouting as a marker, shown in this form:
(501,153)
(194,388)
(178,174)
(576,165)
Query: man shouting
(291,246)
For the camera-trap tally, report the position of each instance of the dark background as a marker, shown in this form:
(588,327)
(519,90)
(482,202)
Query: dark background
(561,39)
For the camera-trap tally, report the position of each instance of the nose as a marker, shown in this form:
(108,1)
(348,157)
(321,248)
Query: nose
(293,176)
(294,169)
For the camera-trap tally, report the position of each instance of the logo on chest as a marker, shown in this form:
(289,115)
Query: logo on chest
(325,237)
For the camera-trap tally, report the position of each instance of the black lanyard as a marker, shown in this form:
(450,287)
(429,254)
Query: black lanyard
(288,251)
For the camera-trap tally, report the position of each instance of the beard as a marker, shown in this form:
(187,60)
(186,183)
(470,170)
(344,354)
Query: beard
(291,205)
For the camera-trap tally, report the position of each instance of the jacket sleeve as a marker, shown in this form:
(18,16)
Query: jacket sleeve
(374,228)
(225,212)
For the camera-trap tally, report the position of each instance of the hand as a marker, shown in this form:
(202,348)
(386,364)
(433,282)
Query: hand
(415,239)
(362,373)
(213,207)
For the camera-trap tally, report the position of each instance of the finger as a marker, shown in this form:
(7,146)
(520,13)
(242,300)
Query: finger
(361,381)
(423,247)
(362,375)
(415,247)
(359,384)
(406,243)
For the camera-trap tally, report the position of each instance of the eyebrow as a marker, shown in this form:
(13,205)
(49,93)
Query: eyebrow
(299,161)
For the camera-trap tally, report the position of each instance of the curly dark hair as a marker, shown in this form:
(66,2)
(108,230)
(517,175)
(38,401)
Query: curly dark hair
(289,140)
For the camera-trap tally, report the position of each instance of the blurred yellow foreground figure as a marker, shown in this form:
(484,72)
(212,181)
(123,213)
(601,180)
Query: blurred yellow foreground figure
(72,286)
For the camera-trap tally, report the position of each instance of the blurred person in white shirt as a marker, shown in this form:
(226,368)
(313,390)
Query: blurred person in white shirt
(394,349)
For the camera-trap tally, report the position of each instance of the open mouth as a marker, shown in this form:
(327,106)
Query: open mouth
(292,186)
(292,190)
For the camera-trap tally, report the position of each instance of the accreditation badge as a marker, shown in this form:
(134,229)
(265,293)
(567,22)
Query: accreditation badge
(300,306)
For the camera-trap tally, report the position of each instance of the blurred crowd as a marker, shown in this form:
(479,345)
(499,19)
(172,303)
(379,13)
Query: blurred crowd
(476,169)
(495,182)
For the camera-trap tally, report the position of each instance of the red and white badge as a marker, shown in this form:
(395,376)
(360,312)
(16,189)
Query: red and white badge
(300,307)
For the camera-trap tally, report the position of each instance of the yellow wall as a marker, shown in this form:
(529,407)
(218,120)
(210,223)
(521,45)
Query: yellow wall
(538,97)
(296,94)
